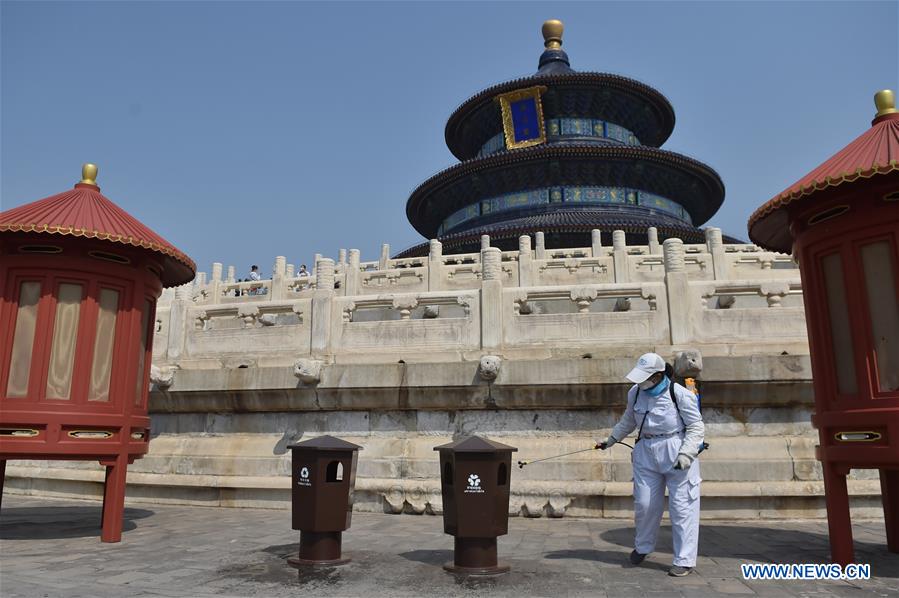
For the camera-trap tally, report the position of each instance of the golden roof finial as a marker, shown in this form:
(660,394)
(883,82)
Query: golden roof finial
(885,100)
(552,34)
(89,174)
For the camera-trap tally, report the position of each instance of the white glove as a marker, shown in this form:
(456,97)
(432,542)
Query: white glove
(604,445)
(683,462)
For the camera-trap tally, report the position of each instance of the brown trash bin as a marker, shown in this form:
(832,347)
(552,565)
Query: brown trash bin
(475,478)
(324,476)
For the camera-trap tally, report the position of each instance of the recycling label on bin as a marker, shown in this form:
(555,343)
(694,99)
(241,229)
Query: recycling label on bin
(304,477)
(474,485)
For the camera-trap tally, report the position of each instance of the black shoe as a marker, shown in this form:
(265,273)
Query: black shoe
(636,557)
(678,571)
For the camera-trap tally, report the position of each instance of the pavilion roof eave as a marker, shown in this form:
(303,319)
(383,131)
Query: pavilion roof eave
(872,154)
(85,212)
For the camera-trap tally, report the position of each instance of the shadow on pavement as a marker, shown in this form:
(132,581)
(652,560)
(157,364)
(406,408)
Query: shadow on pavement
(283,550)
(429,557)
(602,556)
(56,523)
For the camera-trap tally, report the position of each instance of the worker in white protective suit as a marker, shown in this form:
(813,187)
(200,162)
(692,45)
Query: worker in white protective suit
(669,439)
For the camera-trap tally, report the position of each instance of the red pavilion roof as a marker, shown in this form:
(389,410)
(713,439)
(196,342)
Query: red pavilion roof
(874,152)
(85,212)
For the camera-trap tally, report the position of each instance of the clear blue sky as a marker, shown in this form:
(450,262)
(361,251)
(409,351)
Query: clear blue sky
(241,131)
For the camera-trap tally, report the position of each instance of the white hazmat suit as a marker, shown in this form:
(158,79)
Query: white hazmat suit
(665,434)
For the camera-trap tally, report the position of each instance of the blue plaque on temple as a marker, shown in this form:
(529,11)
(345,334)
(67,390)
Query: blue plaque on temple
(524,120)
(522,114)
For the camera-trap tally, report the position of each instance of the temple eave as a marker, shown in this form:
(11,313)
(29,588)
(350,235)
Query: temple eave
(692,184)
(563,229)
(603,87)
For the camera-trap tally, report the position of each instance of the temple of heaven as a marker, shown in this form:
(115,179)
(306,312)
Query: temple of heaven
(563,152)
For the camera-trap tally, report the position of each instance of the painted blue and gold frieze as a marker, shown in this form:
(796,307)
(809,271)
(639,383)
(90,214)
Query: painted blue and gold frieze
(573,194)
(618,133)
(570,128)
(494,144)
(576,126)
(460,216)
(515,200)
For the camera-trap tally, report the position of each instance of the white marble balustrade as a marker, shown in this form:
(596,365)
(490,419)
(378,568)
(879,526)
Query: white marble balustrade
(667,294)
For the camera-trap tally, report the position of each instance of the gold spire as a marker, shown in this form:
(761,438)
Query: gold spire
(552,34)
(89,174)
(885,100)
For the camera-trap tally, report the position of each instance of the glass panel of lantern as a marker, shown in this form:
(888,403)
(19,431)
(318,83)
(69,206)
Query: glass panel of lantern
(883,306)
(65,333)
(23,340)
(101,368)
(840,334)
(144,337)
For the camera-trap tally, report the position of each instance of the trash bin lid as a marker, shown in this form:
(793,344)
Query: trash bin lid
(475,444)
(326,443)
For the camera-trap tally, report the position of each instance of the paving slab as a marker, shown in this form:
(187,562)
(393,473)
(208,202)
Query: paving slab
(52,548)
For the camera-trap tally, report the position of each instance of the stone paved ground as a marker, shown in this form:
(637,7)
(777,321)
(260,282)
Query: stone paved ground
(52,548)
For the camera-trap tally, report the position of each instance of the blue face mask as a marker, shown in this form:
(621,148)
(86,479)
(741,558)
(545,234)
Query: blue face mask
(658,388)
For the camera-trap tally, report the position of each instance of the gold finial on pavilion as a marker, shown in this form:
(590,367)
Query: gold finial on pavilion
(552,34)
(89,174)
(885,100)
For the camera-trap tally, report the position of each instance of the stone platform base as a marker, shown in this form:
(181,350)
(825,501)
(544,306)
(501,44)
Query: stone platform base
(761,464)
(609,500)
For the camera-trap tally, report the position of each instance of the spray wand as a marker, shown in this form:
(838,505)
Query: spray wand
(521,464)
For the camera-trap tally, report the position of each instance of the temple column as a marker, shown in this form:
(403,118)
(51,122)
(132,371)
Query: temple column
(114,499)
(678,289)
(619,256)
(178,322)
(889,491)
(715,244)
(322,304)
(352,273)
(839,524)
(435,265)
(652,234)
(215,293)
(491,298)
(279,270)
(525,262)
(2,478)
(596,242)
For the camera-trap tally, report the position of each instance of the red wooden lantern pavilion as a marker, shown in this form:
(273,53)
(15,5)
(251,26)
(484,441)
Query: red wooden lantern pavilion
(842,223)
(79,279)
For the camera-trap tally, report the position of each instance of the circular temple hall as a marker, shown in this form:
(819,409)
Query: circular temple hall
(563,152)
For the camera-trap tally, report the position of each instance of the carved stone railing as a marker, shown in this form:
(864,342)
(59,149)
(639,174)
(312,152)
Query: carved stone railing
(665,294)
(528,266)
(587,315)
(738,310)
(404,323)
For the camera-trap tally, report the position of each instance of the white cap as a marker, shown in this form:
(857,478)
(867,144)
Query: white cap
(647,365)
